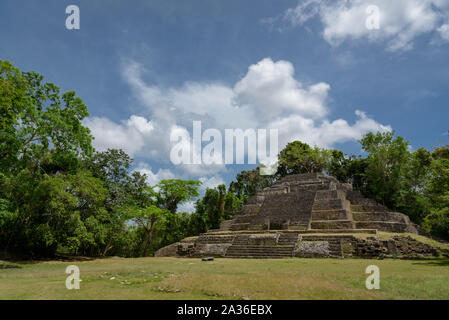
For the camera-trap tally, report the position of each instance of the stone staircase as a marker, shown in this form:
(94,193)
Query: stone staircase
(288,239)
(368,213)
(331,210)
(240,240)
(255,251)
(263,246)
(335,249)
(296,202)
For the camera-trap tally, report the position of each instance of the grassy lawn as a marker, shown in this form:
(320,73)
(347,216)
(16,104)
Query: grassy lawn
(174,278)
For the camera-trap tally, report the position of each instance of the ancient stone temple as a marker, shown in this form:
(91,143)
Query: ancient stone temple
(306,215)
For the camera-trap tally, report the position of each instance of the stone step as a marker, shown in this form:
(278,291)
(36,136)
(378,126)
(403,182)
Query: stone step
(288,236)
(250,209)
(287,243)
(258,254)
(226,225)
(379,216)
(335,249)
(242,248)
(261,247)
(328,204)
(241,239)
(214,239)
(230,252)
(243,218)
(299,226)
(239,226)
(311,187)
(383,226)
(375,207)
(257,257)
(329,194)
(260,251)
(288,239)
(301,177)
(332,224)
(333,214)
(308,182)
(273,191)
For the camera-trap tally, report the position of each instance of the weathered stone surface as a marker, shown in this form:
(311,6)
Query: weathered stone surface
(263,239)
(313,249)
(168,251)
(216,250)
(332,224)
(186,248)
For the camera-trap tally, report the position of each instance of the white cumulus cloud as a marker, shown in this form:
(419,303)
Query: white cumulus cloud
(129,135)
(400,21)
(268,96)
(272,91)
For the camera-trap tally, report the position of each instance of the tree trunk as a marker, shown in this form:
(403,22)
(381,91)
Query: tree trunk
(149,238)
(108,247)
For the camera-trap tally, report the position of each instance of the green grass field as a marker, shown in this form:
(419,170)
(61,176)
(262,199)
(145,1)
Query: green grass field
(175,278)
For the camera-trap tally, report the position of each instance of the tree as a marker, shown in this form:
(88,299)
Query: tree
(148,218)
(387,161)
(209,207)
(412,198)
(437,221)
(216,205)
(338,166)
(41,138)
(249,182)
(172,192)
(298,157)
(112,167)
(197,223)
(37,120)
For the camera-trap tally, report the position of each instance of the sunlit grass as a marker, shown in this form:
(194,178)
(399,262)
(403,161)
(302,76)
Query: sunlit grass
(174,278)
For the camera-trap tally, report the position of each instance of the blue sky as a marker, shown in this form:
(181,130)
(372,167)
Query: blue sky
(149,67)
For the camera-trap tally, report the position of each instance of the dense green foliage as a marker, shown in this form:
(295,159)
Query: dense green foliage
(216,205)
(58,195)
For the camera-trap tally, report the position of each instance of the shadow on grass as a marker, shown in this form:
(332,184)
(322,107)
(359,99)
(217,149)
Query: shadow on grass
(8,265)
(439,262)
(62,258)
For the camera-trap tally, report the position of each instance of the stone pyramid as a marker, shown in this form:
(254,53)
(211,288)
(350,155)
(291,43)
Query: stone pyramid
(304,215)
(315,202)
